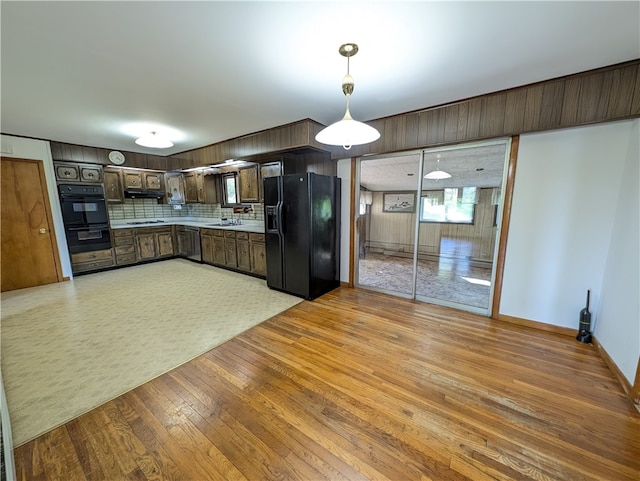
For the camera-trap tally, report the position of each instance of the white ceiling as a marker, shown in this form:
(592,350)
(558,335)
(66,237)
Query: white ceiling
(102,73)
(472,165)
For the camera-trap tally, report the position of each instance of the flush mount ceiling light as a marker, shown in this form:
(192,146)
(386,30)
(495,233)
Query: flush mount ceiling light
(347,132)
(154,141)
(437,174)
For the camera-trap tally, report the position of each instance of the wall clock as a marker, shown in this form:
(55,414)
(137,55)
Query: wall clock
(116,157)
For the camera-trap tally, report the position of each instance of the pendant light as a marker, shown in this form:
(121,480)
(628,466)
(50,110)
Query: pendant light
(154,141)
(437,174)
(347,132)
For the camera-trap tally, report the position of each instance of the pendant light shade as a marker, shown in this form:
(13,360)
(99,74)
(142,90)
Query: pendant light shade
(154,141)
(437,174)
(347,132)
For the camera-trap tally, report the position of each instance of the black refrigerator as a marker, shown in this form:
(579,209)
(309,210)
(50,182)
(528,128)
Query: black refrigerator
(302,233)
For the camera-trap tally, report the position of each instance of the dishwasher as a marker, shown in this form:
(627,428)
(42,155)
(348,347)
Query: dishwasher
(189,243)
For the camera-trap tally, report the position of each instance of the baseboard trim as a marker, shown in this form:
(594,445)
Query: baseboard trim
(543,326)
(613,367)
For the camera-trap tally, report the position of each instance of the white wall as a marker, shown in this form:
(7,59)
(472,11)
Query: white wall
(618,327)
(344,172)
(564,202)
(22,148)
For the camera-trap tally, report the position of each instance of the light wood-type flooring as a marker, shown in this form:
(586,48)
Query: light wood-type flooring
(358,385)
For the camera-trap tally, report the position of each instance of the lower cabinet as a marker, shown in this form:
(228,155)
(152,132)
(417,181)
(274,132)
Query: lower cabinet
(124,246)
(154,243)
(91,261)
(257,254)
(237,250)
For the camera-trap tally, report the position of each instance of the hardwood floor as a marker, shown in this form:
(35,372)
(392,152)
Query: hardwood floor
(359,385)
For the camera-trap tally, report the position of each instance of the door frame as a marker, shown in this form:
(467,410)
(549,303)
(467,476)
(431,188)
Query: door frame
(47,208)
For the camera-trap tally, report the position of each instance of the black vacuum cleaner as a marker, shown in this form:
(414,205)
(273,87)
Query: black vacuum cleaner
(584,331)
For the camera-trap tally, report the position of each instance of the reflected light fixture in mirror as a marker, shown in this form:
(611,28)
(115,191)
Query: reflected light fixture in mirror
(154,141)
(437,174)
(347,132)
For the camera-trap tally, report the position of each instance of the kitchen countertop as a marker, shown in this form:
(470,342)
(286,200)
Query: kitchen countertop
(201,222)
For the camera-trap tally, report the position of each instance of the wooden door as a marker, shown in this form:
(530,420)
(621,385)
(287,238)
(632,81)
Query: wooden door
(29,253)
(258,259)
(207,248)
(242,249)
(248,180)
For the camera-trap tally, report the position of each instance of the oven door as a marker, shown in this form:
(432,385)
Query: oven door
(88,238)
(82,211)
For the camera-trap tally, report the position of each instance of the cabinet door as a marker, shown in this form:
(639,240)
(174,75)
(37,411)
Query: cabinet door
(146,246)
(258,259)
(218,251)
(242,248)
(190,188)
(91,174)
(211,188)
(165,244)
(175,188)
(67,172)
(268,169)
(132,180)
(153,181)
(231,252)
(207,248)
(248,180)
(200,187)
(113,186)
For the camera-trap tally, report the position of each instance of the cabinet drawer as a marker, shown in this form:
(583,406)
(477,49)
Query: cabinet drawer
(127,259)
(90,266)
(230,234)
(242,235)
(218,233)
(123,250)
(122,232)
(256,237)
(91,256)
(123,241)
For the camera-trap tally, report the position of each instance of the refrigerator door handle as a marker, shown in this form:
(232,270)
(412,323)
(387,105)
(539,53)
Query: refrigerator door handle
(280,227)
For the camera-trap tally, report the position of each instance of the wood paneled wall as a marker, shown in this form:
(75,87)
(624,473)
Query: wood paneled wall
(96,155)
(606,94)
(287,137)
(393,231)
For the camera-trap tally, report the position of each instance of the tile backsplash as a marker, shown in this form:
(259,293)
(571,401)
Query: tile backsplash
(150,209)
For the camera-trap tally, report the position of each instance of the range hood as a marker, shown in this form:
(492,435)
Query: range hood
(143,194)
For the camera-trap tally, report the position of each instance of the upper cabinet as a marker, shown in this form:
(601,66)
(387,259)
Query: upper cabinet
(248,184)
(268,169)
(153,181)
(175,188)
(132,179)
(71,172)
(113,191)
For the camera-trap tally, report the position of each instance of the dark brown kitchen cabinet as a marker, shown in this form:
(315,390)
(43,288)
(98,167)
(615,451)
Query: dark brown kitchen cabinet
(132,179)
(175,188)
(91,261)
(154,243)
(248,184)
(268,169)
(190,188)
(257,254)
(124,246)
(71,172)
(242,251)
(219,256)
(230,249)
(154,181)
(206,242)
(113,185)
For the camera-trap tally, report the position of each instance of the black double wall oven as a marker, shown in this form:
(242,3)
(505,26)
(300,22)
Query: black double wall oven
(86,220)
